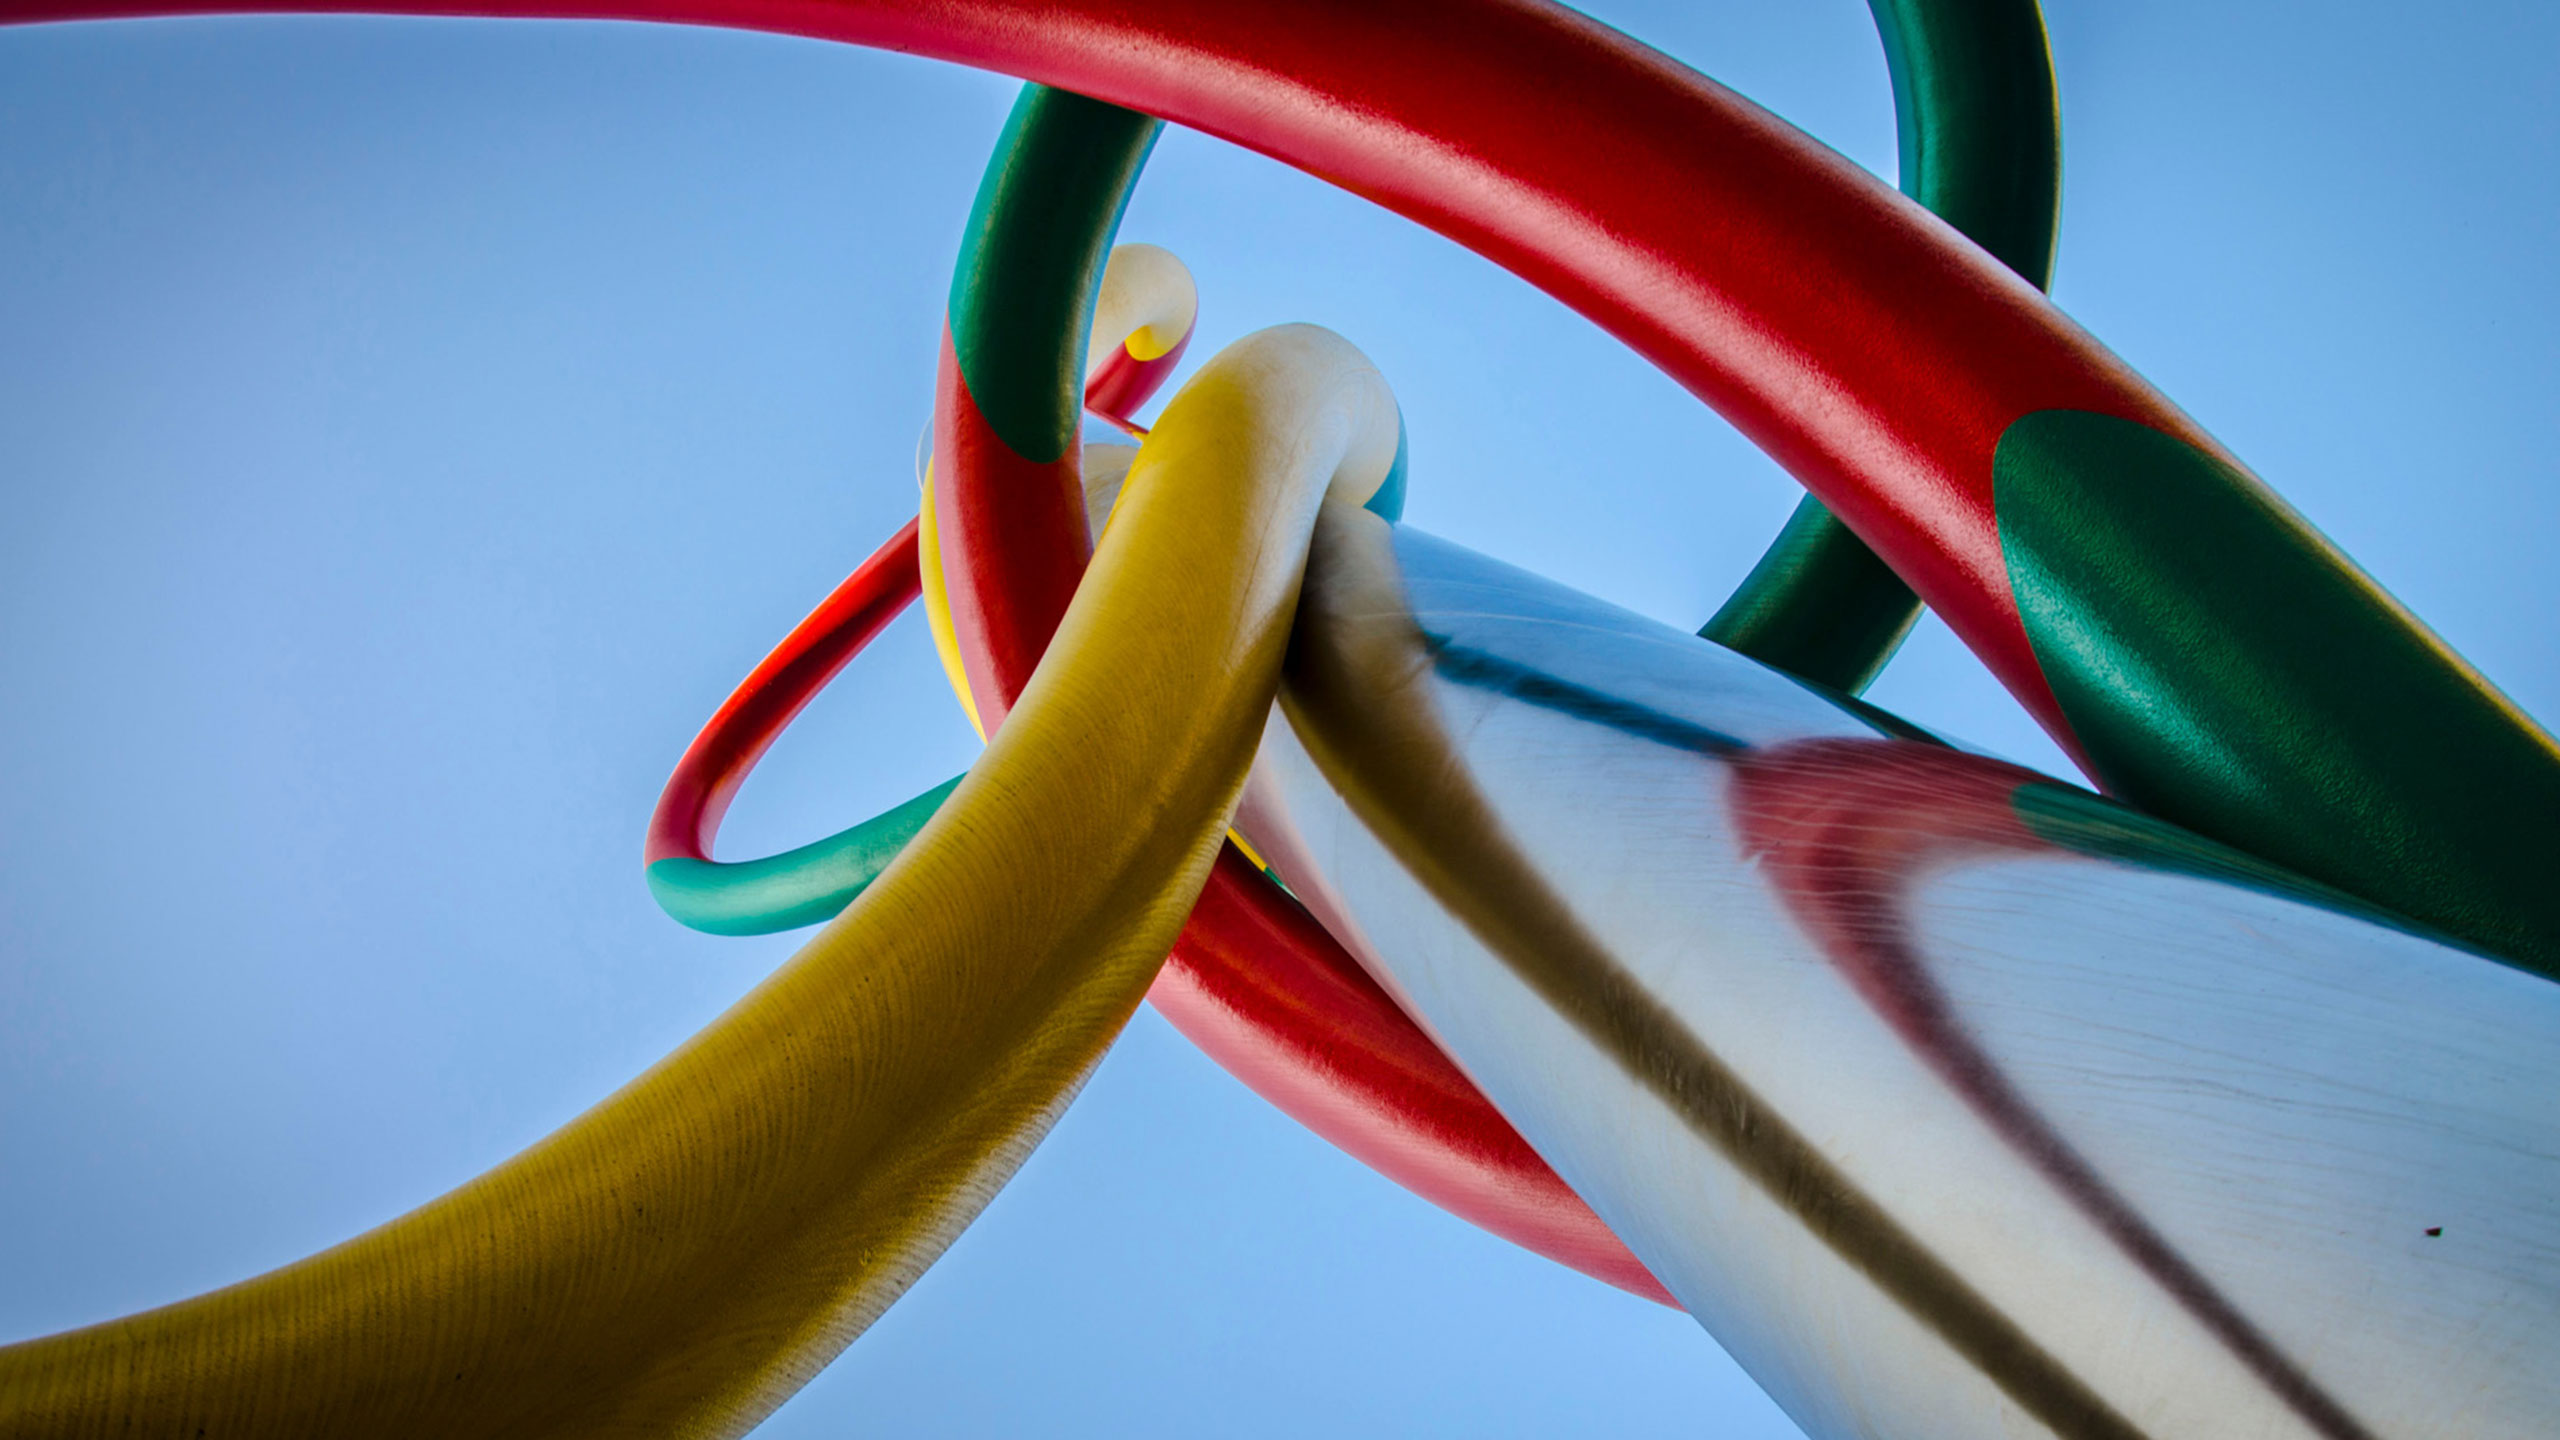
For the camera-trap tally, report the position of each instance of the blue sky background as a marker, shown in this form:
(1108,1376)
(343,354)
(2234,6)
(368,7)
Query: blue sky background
(410,430)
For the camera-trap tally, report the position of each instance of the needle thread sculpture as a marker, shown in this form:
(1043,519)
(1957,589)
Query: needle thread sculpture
(1953,1100)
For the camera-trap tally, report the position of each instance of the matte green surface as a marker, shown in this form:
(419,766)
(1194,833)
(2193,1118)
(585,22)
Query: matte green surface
(1819,605)
(1981,140)
(797,887)
(2226,669)
(1979,123)
(1031,261)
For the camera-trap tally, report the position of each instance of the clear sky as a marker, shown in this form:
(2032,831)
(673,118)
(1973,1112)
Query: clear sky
(410,430)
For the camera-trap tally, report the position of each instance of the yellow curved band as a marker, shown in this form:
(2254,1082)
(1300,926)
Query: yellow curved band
(937,603)
(680,1258)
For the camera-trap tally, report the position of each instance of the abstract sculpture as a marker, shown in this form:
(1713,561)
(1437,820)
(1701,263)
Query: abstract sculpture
(1942,1093)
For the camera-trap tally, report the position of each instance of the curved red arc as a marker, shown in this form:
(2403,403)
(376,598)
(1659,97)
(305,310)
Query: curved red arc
(1859,341)
(698,793)
(1253,980)
(1124,382)
(1864,344)
(1846,829)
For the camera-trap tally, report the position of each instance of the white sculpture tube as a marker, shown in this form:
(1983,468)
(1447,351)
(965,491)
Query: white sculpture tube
(1954,1101)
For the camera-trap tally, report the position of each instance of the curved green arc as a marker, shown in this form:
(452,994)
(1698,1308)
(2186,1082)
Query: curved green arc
(798,887)
(1031,261)
(1979,122)
(1980,131)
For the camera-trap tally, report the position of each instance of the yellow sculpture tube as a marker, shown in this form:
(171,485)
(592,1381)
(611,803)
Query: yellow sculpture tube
(680,1258)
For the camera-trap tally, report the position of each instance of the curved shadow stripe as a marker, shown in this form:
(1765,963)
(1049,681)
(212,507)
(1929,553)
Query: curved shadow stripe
(1353,691)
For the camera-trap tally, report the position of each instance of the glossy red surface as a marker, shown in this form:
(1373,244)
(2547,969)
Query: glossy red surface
(1124,382)
(1256,983)
(1861,342)
(1264,990)
(1013,542)
(697,795)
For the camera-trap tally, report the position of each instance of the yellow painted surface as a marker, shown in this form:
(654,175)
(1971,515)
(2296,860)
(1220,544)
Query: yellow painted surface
(680,1258)
(937,605)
